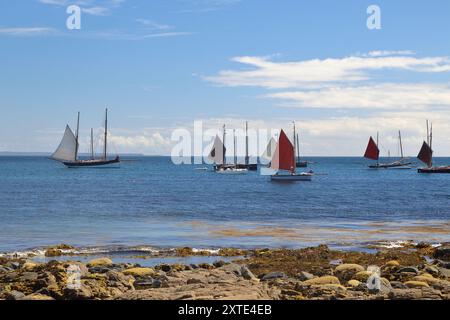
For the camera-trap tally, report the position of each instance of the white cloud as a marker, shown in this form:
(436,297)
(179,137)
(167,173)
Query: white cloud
(317,73)
(381,96)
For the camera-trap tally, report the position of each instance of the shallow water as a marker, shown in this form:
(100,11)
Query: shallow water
(150,201)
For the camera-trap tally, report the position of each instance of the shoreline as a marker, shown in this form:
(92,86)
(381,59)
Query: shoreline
(413,271)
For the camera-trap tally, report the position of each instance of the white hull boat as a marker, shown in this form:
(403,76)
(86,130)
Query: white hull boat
(292,177)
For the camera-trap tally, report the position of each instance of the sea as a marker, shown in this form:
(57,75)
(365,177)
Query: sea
(149,202)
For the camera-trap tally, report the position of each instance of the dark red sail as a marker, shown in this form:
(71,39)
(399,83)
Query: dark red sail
(284,158)
(426,154)
(372,151)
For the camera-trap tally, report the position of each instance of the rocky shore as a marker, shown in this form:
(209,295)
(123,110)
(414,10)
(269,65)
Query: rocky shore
(413,272)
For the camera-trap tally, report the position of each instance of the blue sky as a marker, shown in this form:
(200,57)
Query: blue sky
(160,65)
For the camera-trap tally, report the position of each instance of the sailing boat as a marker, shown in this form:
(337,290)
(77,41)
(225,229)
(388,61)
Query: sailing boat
(284,159)
(67,151)
(218,155)
(247,164)
(426,155)
(373,153)
(298,162)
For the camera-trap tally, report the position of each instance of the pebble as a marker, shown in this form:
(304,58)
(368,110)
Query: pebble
(303,276)
(273,275)
(323,280)
(416,284)
(408,270)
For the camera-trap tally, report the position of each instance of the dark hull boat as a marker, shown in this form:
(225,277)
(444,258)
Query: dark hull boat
(444,169)
(301,164)
(373,153)
(91,163)
(67,152)
(426,156)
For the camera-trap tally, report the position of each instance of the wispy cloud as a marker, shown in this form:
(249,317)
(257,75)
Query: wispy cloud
(200,6)
(27,31)
(91,7)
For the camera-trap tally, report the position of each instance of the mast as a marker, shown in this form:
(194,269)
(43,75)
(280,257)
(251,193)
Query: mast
(76,136)
(378,160)
(246,144)
(298,148)
(431,142)
(401,144)
(234,148)
(428,134)
(295,140)
(106,134)
(92,144)
(224,149)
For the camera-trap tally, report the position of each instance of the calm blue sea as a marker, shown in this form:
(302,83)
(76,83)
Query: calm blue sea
(149,201)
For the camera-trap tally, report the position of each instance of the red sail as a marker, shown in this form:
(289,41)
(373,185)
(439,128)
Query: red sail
(284,154)
(372,151)
(426,154)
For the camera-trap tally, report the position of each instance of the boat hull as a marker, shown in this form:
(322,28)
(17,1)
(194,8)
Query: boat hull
(403,165)
(434,170)
(291,177)
(301,164)
(249,167)
(92,163)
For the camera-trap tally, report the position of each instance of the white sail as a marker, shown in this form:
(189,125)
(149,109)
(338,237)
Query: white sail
(67,148)
(216,153)
(270,150)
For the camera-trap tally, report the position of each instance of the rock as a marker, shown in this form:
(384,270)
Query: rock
(414,294)
(194,281)
(29,266)
(37,296)
(363,276)
(392,263)
(82,292)
(247,274)
(425,278)
(408,270)
(52,252)
(443,272)
(273,276)
(166,268)
(416,284)
(206,266)
(119,280)
(14,295)
(233,268)
(219,263)
(433,270)
(322,280)
(144,283)
(139,272)
(398,285)
(353,283)
(346,271)
(100,262)
(442,253)
(303,276)
(99,269)
(14,265)
(443,264)
(29,276)
(193,266)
